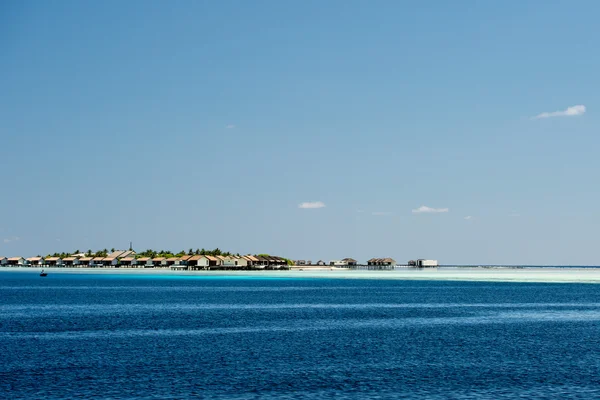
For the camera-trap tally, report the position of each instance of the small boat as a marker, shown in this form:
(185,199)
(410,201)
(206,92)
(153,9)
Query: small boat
(42,274)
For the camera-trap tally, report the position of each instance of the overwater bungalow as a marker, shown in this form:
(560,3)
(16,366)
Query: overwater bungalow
(85,262)
(3,260)
(178,267)
(144,262)
(172,261)
(385,262)
(35,261)
(71,261)
(157,262)
(198,262)
(241,262)
(252,260)
(213,261)
(128,262)
(185,259)
(262,262)
(16,262)
(96,262)
(54,262)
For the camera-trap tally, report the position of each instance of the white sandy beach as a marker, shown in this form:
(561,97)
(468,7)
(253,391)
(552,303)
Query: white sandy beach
(499,274)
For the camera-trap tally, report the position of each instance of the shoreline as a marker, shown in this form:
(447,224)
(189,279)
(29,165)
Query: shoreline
(472,274)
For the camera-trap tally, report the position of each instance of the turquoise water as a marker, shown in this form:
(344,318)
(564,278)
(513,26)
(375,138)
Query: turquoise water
(166,336)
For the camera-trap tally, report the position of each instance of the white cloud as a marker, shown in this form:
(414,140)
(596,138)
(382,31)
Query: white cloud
(381,213)
(468,217)
(312,204)
(12,239)
(572,111)
(230,126)
(425,209)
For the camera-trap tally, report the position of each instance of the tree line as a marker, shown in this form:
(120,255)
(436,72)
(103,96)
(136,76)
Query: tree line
(162,253)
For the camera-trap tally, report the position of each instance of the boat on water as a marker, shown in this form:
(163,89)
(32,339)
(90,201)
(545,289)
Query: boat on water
(42,274)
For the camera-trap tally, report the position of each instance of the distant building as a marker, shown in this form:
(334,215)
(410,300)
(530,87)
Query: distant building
(213,261)
(143,262)
(71,261)
(197,262)
(426,263)
(85,261)
(381,261)
(128,262)
(16,262)
(35,261)
(345,262)
(241,261)
(157,262)
(54,262)
(172,261)
(251,261)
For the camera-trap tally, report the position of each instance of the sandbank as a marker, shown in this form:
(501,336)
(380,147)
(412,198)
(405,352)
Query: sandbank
(497,274)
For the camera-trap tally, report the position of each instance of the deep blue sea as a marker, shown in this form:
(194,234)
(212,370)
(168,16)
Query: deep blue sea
(110,336)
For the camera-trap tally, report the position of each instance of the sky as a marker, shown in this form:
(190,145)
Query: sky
(462,131)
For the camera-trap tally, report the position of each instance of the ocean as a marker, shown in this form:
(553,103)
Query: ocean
(165,336)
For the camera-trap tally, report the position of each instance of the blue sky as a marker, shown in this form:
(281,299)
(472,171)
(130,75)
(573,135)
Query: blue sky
(209,124)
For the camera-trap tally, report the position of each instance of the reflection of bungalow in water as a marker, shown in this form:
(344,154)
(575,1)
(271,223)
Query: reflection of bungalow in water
(16,262)
(35,261)
(54,262)
(71,261)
